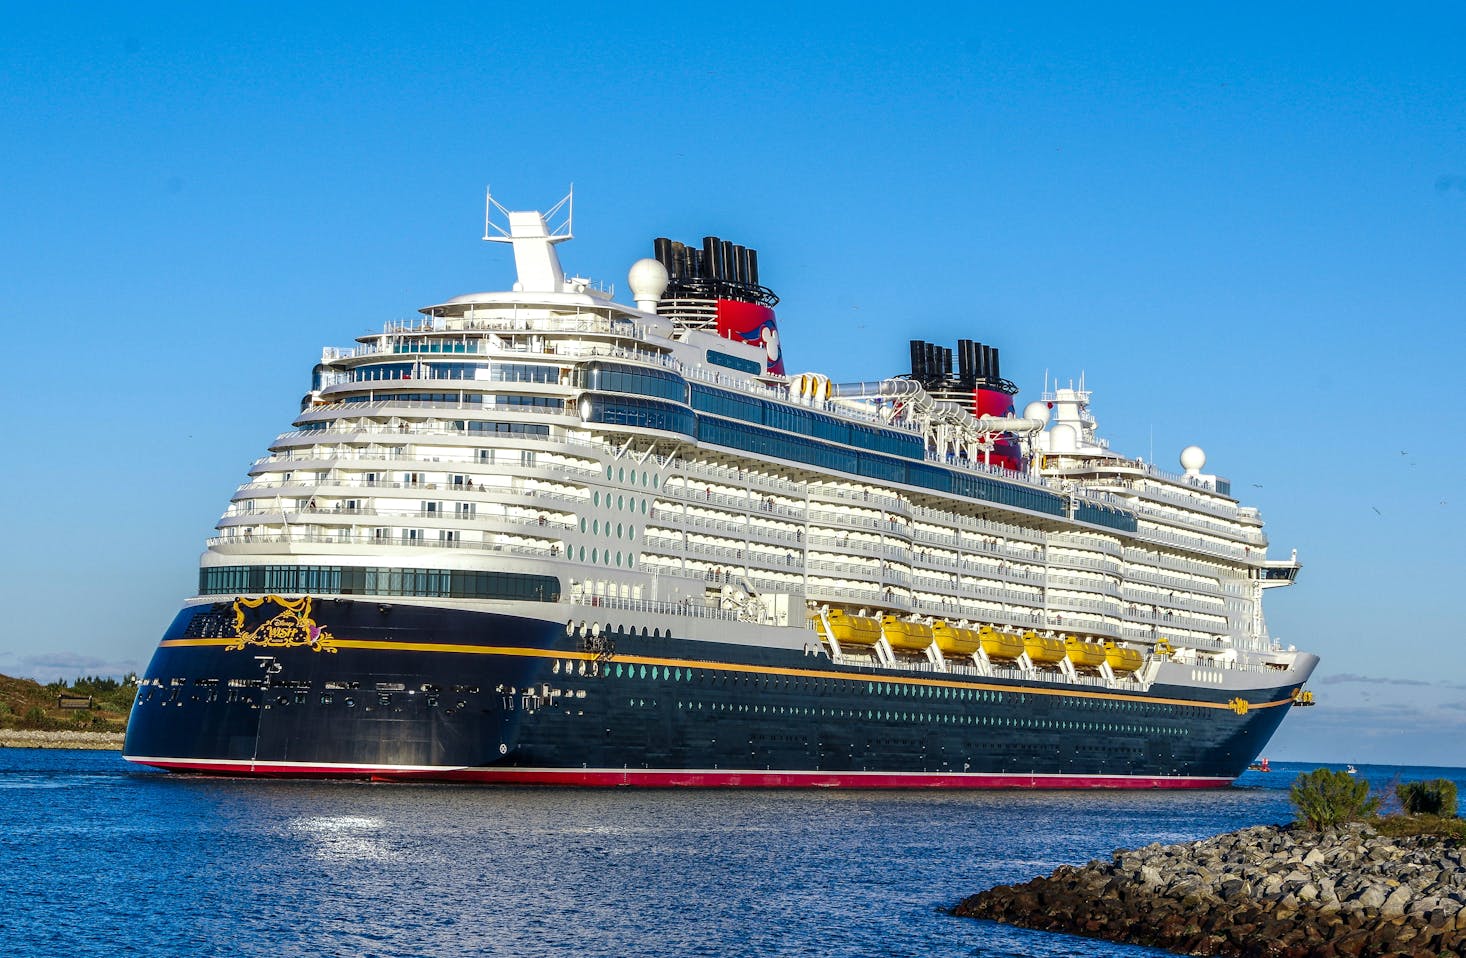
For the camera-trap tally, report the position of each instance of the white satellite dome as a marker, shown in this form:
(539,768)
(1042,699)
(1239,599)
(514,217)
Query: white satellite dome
(1193,458)
(648,280)
(1037,410)
(1063,438)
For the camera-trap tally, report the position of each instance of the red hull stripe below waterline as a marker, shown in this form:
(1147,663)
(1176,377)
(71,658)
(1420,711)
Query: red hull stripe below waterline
(663,778)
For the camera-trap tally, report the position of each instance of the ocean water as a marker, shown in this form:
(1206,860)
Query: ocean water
(98,857)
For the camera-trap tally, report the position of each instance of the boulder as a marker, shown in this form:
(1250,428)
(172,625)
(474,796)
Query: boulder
(1262,891)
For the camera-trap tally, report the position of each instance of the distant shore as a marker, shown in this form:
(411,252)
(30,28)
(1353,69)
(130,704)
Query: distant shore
(30,738)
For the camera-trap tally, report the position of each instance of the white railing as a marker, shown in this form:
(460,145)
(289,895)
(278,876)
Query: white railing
(1193,543)
(875,500)
(1070,540)
(978,526)
(1084,562)
(1253,536)
(1084,585)
(1152,577)
(689,607)
(245,539)
(332,517)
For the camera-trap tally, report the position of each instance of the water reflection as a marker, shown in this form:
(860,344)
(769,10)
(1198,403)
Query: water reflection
(180,864)
(344,837)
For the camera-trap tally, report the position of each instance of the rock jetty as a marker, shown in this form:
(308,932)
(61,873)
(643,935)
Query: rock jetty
(31,738)
(1276,891)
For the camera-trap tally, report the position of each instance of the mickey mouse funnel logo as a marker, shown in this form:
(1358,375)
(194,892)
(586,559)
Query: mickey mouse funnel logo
(753,324)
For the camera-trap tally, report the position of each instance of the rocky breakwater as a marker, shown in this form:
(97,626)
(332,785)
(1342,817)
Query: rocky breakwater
(1275,891)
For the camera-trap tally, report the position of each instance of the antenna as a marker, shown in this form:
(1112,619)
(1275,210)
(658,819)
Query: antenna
(561,231)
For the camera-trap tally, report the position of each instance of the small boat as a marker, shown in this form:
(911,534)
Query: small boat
(905,635)
(1043,649)
(1084,655)
(955,640)
(1350,770)
(1122,660)
(1261,765)
(853,629)
(1000,645)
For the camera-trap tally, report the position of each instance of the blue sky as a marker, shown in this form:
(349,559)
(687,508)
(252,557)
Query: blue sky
(1245,226)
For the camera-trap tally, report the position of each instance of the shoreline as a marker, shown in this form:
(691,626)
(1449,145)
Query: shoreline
(41,738)
(1269,891)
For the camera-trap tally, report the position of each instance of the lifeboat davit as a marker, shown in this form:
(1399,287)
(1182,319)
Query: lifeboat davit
(1084,655)
(905,635)
(999,645)
(955,640)
(1122,660)
(1042,649)
(850,629)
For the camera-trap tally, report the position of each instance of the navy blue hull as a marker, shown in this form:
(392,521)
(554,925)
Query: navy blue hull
(441,693)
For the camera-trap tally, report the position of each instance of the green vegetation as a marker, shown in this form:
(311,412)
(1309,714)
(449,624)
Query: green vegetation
(1430,826)
(1435,797)
(1324,797)
(29,705)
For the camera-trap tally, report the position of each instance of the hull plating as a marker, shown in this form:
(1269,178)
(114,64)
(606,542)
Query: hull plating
(423,693)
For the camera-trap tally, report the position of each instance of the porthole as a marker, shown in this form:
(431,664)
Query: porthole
(595,527)
(582,553)
(596,498)
(631,534)
(643,507)
(654,482)
(582,524)
(595,555)
(621,502)
(619,530)
(618,560)
(620,475)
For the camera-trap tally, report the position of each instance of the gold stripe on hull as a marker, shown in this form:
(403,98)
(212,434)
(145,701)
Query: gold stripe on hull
(434,647)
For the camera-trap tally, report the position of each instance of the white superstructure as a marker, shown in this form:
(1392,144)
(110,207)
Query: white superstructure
(540,430)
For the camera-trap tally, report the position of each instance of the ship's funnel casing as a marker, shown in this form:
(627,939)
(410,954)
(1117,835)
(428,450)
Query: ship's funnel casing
(977,376)
(987,401)
(716,289)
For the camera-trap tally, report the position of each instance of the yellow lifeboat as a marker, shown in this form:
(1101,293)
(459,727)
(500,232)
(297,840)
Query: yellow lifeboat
(1043,650)
(955,640)
(1084,655)
(999,645)
(905,635)
(853,629)
(1122,660)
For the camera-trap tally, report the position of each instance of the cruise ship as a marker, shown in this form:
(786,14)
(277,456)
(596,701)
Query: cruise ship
(541,536)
